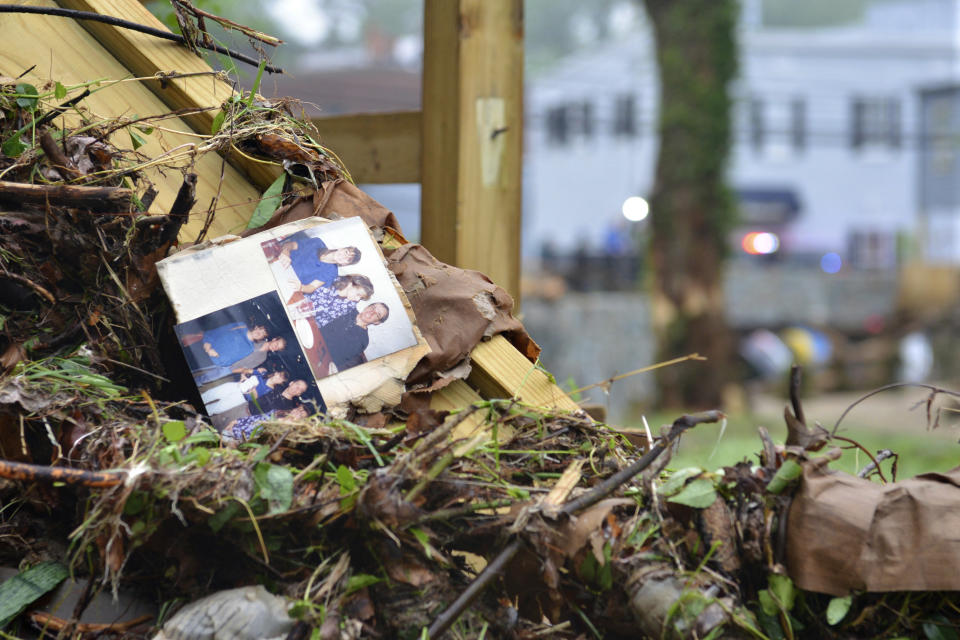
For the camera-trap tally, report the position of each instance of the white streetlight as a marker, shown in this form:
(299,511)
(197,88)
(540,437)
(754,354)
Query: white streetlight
(635,208)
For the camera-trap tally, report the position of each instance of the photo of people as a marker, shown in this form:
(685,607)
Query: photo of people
(248,366)
(339,295)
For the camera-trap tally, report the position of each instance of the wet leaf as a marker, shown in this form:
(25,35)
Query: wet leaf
(18,592)
(275,483)
(939,628)
(678,479)
(13,146)
(136,139)
(217,122)
(698,494)
(789,471)
(269,203)
(360,581)
(345,480)
(838,608)
(783,590)
(174,431)
(28,96)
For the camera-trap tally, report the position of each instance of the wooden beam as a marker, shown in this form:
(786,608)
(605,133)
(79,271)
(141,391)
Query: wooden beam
(60,49)
(472,135)
(500,371)
(146,56)
(376,148)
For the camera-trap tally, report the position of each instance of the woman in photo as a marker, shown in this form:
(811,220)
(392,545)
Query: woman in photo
(329,303)
(314,264)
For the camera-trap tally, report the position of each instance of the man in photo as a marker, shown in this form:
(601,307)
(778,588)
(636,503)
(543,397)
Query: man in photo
(314,264)
(222,345)
(246,364)
(346,336)
(236,393)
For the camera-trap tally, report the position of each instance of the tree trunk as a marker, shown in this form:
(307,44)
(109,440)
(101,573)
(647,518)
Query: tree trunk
(692,210)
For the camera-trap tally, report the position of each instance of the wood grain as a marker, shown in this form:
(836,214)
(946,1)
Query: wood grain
(472,135)
(500,371)
(377,148)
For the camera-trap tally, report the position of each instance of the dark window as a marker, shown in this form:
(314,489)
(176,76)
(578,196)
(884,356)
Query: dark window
(876,123)
(625,115)
(558,125)
(798,124)
(586,118)
(758,130)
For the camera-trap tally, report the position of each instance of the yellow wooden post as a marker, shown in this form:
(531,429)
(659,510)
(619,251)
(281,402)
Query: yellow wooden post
(472,135)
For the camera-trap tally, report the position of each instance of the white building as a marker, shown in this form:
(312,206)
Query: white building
(828,119)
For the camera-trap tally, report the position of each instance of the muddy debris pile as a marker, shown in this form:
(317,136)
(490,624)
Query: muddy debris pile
(125,514)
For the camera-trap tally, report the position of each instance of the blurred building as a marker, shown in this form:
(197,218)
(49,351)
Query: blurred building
(835,151)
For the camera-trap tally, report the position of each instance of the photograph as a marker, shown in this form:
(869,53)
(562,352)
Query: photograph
(340,297)
(248,366)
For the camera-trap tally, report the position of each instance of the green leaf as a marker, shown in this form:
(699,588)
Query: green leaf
(222,517)
(679,478)
(939,628)
(698,494)
(200,455)
(136,139)
(18,592)
(59,91)
(345,480)
(174,431)
(145,129)
(423,539)
(838,608)
(28,96)
(13,146)
(275,483)
(767,603)
(361,580)
(789,471)
(783,590)
(269,203)
(218,122)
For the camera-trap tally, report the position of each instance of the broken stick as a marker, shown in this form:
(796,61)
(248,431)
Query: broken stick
(99,199)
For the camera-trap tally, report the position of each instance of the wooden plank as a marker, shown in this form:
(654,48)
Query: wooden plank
(458,395)
(500,371)
(145,56)
(64,51)
(377,148)
(472,127)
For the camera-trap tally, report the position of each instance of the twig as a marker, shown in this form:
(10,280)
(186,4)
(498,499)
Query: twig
(230,24)
(873,461)
(53,113)
(606,487)
(882,455)
(888,387)
(451,613)
(42,473)
(133,26)
(681,424)
(611,380)
(30,283)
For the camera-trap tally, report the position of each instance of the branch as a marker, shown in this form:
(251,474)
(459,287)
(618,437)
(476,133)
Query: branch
(41,473)
(99,199)
(133,26)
